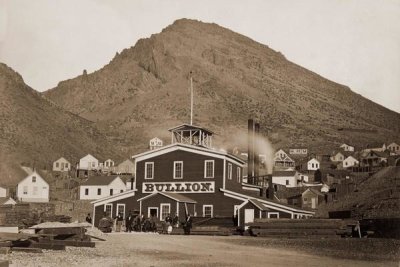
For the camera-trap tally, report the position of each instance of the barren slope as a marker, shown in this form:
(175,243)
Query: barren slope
(35,132)
(144,90)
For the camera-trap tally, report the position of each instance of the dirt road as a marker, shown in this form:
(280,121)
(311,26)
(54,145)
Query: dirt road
(163,250)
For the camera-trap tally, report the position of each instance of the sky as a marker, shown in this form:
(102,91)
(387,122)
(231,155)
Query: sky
(352,42)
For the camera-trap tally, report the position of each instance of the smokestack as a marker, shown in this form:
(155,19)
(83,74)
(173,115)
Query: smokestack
(250,152)
(270,192)
(131,183)
(256,151)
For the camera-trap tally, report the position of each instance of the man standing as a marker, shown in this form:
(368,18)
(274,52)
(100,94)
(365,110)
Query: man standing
(128,222)
(89,218)
(120,218)
(188,225)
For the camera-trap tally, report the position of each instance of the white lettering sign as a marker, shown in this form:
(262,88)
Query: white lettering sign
(179,187)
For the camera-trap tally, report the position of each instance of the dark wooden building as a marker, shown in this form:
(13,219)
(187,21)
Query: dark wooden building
(188,176)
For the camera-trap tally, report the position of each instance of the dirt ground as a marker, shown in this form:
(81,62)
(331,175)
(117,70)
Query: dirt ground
(141,249)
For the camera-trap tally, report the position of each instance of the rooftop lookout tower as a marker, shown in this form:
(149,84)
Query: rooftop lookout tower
(191,135)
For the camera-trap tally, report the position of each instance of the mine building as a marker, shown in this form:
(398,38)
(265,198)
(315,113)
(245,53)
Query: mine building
(189,176)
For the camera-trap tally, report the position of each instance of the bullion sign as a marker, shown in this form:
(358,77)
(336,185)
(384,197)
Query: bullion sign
(179,187)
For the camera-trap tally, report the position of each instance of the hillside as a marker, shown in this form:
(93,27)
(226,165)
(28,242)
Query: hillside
(144,90)
(35,132)
(376,197)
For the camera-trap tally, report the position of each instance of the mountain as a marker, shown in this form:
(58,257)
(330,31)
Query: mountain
(144,90)
(36,132)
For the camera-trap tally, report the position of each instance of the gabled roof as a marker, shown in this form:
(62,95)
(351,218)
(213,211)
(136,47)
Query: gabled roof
(127,161)
(313,190)
(174,196)
(100,180)
(109,199)
(62,158)
(28,171)
(278,157)
(258,204)
(191,148)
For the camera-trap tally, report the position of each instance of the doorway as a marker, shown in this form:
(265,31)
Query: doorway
(248,217)
(152,211)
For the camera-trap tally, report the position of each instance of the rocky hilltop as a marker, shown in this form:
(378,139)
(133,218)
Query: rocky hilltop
(144,90)
(35,132)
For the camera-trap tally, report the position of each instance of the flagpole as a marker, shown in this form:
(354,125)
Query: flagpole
(191,99)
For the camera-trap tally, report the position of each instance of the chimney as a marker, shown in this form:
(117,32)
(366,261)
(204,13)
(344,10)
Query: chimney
(131,183)
(250,152)
(256,151)
(270,192)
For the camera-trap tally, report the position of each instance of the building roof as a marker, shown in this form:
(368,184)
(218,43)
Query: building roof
(174,196)
(100,180)
(283,173)
(63,159)
(258,204)
(315,191)
(188,127)
(188,147)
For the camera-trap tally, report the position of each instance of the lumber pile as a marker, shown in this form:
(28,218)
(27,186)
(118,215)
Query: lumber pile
(292,228)
(50,237)
(205,230)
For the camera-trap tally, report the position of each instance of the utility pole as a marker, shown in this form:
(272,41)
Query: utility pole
(191,98)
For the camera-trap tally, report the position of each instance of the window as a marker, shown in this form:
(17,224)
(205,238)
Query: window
(66,165)
(33,179)
(316,165)
(120,209)
(238,174)
(207,211)
(86,191)
(178,170)
(149,170)
(165,210)
(312,165)
(287,182)
(35,190)
(98,191)
(93,164)
(25,190)
(108,209)
(209,169)
(111,192)
(121,191)
(230,171)
(273,215)
(57,164)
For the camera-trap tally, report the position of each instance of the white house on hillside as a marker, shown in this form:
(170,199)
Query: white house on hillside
(347,148)
(108,165)
(33,188)
(393,147)
(101,186)
(155,143)
(88,162)
(61,165)
(338,157)
(288,178)
(350,162)
(313,165)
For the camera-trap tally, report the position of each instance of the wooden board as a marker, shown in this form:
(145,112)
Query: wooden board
(25,249)
(72,243)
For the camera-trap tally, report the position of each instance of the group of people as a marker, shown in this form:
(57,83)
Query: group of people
(139,223)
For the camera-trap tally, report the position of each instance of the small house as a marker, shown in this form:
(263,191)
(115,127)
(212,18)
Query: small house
(313,165)
(347,148)
(338,157)
(288,178)
(282,161)
(33,188)
(88,162)
(61,165)
(155,143)
(97,187)
(311,198)
(350,161)
(393,147)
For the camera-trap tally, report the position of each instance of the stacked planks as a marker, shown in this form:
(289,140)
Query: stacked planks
(292,228)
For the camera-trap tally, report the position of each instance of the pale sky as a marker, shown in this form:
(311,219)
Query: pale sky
(355,43)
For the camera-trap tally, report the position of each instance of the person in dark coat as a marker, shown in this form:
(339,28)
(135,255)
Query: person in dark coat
(188,224)
(129,222)
(89,218)
(119,220)
(175,221)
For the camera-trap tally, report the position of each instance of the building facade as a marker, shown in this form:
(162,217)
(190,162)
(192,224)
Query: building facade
(33,188)
(61,165)
(97,187)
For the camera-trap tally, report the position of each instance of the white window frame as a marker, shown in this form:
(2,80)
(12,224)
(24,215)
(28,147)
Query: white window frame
(205,169)
(229,172)
(120,205)
(272,213)
(108,205)
(148,211)
(98,191)
(238,174)
(174,174)
(86,194)
(212,210)
(145,170)
(161,210)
